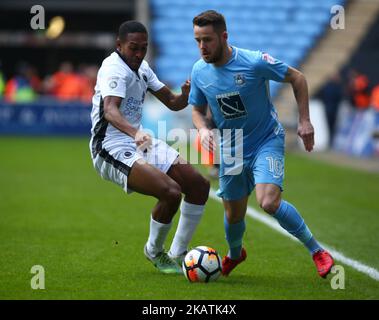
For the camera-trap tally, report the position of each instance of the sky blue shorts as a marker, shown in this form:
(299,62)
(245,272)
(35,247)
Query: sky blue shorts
(265,166)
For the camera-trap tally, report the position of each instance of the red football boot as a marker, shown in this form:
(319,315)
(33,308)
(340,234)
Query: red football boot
(229,264)
(324,262)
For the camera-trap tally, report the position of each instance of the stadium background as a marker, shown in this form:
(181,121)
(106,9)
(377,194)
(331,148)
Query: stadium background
(56,212)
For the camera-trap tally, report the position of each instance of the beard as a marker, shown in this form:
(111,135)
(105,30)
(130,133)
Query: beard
(217,56)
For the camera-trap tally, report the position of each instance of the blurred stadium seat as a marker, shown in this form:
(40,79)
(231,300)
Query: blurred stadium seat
(287,29)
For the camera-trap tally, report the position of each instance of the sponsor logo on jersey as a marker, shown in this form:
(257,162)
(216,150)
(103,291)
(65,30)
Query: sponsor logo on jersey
(239,79)
(231,105)
(132,109)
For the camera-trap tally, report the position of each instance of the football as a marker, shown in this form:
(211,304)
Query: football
(202,264)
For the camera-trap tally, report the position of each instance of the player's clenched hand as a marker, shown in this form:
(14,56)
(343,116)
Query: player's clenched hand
(142,140)
(306,133)
(207,139)
(186,87)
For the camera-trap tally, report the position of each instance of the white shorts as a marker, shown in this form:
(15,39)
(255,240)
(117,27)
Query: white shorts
(115,164)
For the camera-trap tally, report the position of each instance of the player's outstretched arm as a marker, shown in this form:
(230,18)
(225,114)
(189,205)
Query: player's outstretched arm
(300,88)
(203,125)
(113,115)
(173,101)
(199,117)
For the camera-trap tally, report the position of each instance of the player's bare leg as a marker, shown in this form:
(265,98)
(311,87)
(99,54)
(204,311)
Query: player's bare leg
(148,180)
(196,190)
(193,185)
(234,222)
(269,199)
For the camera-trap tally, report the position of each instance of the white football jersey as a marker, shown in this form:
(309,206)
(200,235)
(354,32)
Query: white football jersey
(115,78)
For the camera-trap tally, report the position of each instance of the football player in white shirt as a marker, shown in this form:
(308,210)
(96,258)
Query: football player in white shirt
(123,153)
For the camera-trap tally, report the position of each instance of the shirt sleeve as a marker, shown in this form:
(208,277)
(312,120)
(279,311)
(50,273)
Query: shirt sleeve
(196,96)
(113,81)
(270,68)
(153,82)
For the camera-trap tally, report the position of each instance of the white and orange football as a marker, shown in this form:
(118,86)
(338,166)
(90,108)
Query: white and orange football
(202,264)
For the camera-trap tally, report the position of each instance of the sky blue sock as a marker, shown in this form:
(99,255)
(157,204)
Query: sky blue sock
(290,219)
(234,234)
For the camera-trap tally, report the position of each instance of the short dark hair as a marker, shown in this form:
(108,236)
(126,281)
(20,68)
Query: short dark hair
(210,17)
(131,26)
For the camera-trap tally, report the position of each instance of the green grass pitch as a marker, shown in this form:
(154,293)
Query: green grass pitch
(55,211)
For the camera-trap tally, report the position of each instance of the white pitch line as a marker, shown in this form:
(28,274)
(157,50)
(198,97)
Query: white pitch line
(337,255)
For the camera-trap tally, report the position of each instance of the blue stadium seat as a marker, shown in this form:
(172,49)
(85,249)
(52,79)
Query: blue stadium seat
(287,29)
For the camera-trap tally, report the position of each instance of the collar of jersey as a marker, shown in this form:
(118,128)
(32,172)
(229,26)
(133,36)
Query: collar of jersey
(123,59)
(232,58)
(234,55)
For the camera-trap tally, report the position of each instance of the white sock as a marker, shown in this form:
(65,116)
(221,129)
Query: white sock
(190,215)
(157,236)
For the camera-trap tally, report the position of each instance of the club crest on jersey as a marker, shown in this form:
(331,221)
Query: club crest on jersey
(127,154)
(239,79)
(231,105)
